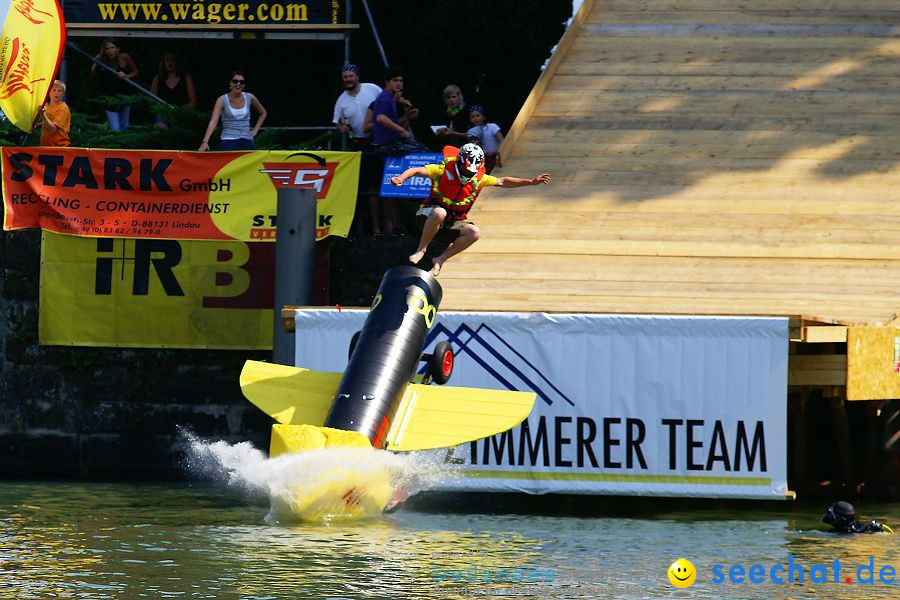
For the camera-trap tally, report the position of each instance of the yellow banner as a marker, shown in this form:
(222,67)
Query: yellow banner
(149,293)
(32,44)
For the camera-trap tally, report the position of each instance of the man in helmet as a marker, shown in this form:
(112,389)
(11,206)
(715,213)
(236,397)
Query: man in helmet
(842,519)
(456,183)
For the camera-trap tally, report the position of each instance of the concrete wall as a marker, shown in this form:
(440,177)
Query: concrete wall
(105,412)
(110,413)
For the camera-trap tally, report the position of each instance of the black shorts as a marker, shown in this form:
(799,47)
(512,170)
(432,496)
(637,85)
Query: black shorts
(449,231)
(370,165)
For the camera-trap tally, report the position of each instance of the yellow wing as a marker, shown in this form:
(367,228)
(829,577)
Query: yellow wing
(429,416)
(432,416)
(289,394)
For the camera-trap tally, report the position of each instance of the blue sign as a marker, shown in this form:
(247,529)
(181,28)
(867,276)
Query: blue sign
(414,187)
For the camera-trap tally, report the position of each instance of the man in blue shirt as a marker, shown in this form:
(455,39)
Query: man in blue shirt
(389,128)
(390,133)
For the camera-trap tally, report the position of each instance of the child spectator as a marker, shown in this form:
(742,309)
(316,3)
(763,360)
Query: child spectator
(457,117)
(56,118)
(486,135)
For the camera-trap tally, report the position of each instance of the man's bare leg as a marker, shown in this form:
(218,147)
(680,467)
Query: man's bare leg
(373,214)
(468,236)
(389,206)
(429,230)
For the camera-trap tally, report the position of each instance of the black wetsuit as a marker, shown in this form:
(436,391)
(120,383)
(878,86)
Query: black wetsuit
(856,526)
(842,519)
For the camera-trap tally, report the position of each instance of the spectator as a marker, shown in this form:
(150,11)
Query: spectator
(55,118)
(390,133)
(486,135)
(457,117)
(350,107)
(457,182)
(174,85)
(234,108)
(113,83)
(350,111)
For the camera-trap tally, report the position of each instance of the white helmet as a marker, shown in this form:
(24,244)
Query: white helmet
(469,160)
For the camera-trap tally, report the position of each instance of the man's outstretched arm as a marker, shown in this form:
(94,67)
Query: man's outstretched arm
(397,180)
(513,182)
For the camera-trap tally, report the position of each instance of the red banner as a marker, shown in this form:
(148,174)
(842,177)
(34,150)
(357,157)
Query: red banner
(172,195)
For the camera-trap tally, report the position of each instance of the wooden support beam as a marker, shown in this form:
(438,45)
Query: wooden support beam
(819,335)
(798,441)
(841,426)
(817,369)
(874,457)
(287,319)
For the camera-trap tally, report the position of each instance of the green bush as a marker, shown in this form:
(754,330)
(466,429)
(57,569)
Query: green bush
(185,131)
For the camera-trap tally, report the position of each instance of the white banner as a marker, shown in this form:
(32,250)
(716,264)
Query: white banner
(629,405)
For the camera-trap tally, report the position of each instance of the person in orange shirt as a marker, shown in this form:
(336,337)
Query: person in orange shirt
(56,118)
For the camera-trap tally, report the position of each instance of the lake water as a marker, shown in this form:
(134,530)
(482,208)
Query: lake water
(212,540)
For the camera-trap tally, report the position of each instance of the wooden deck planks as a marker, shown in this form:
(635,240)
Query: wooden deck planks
(708,158)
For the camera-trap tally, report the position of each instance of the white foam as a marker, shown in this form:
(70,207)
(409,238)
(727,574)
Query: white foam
(286,478)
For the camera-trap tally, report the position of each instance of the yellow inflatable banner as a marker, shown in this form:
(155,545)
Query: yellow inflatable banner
(32,45)
(150,293)
(172,195)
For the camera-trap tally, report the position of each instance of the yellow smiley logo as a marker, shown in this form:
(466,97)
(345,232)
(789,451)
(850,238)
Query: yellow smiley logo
(682,573)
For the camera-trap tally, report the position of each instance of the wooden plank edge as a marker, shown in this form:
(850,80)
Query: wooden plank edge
(287,314)
(540,86)
(822,334)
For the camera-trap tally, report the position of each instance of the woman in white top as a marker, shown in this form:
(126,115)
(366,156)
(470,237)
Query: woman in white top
(234,109)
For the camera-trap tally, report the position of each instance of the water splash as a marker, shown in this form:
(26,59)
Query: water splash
(324,484)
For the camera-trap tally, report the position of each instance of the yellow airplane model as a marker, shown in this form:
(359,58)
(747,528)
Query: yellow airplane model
(375,403)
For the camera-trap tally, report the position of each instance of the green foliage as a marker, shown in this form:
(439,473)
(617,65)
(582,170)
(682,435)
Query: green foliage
(184,128)
(280,139)
(10,135)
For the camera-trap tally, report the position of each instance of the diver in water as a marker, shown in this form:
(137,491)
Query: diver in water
(842,519)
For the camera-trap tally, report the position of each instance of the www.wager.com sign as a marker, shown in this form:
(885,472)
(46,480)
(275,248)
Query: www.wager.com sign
(650,405)
(168,14)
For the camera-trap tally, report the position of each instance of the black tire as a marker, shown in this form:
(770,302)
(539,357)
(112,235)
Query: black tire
(353,341)
(441,364)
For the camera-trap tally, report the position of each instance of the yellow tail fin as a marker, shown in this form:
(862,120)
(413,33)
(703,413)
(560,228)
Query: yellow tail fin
(289,394)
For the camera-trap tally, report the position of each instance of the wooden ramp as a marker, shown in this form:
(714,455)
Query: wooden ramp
(724,157)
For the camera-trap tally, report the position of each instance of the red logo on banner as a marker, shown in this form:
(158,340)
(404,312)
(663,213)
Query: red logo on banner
(25,8)
(262,233)
(301,175)
(17,75)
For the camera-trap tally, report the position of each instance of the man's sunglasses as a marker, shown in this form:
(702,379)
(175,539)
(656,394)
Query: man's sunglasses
(238,81)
